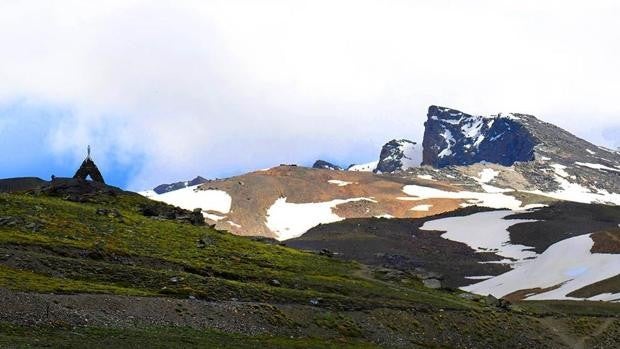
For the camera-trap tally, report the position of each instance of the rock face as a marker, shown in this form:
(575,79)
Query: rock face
(326,165)
(165,188)
(548,157)
(453,138)
(399,155)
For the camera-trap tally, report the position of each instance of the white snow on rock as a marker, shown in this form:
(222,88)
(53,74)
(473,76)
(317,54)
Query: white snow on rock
(427,177)
(368,167)
(483,232)
(575,192)
(421,208)
(339,182)
(192,197)
(212,216)
(568,263)
(412,155)
(493,200)
(479,277)
(487,175)
(450,141)
(290,220)
(591,152)
(597,166)
(234,224)
(560,170)
(385,215)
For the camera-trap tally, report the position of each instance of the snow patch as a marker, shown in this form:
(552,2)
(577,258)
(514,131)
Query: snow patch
(493,200)
(368,167)
(426,177)
(487,175)
(234,224)
(553,268)
(421,208)
(212,216)
(290,220)
(339,182)
(193,197)
(577,193)
(412,155)
(597,166)
(484,232)
(447,136)
(481,277)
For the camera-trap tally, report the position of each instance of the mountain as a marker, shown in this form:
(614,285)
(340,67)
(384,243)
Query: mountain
(285,201)
(165,188)
(396,156)
(326,165)
(548,157)
(399,155)
(416,219)
(560,167)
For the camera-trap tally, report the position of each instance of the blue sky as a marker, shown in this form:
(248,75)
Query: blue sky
(166,90)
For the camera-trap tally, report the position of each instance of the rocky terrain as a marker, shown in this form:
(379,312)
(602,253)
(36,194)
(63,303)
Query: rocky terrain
(476,249)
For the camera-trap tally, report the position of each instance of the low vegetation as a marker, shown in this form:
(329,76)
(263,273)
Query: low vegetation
(228,291)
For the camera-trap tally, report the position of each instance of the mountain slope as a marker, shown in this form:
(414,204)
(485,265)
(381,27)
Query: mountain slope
(556,252)
(104,269)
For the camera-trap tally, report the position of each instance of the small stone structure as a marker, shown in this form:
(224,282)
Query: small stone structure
(87,169)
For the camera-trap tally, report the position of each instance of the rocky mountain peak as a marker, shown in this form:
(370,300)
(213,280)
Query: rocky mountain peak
(165,188)
(452,137)
(399,155)
(322,164)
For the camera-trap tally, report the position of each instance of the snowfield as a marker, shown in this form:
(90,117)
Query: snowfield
(487,232)
(492,200)
(289,220)
(192,197)
(483,232)
(568,265)
(575,192)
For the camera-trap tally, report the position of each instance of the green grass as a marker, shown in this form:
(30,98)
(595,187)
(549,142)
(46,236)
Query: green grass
(13,336)
(228,267)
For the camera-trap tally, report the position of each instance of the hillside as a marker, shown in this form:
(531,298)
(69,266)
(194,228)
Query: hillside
(119,275)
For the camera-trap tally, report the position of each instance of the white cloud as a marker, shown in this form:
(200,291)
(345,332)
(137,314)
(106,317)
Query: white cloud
(214,86)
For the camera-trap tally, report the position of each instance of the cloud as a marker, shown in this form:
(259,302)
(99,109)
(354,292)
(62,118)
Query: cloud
(221,87)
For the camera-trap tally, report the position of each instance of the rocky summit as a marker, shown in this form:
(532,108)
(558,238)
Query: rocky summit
(165,188)
(399,155)
(452,137)
(322,164)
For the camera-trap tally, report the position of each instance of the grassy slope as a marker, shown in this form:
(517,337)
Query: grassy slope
(65,247)
(228,267)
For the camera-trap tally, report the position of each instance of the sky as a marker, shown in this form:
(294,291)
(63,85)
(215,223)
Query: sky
(168,90)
